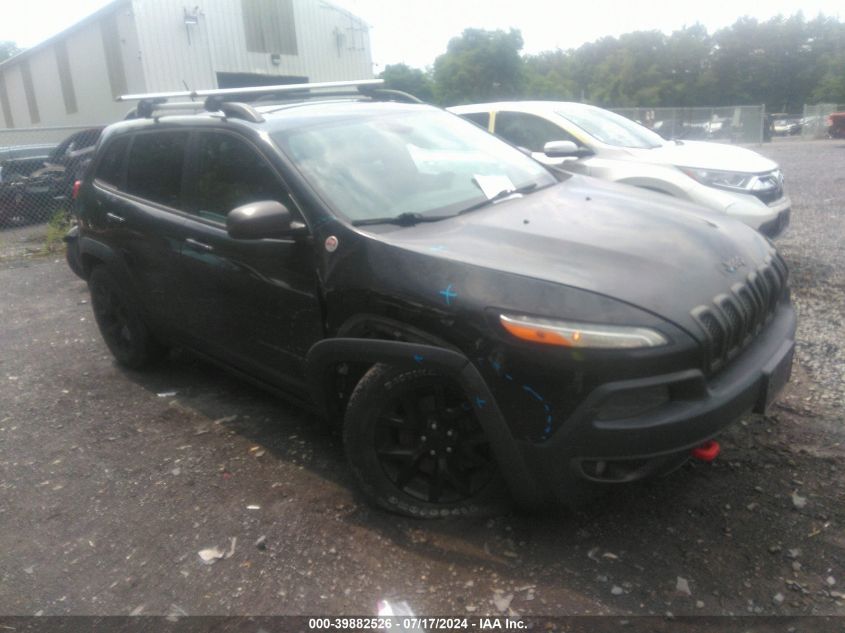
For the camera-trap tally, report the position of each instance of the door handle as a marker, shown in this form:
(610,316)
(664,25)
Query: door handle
(200,246)
(115,218)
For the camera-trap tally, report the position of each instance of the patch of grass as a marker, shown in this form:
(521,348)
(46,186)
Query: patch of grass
(57,227)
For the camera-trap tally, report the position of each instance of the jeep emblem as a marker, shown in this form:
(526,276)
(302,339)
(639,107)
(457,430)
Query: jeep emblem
(733,264)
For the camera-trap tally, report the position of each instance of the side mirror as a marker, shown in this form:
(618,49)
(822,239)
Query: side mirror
(261,220)
(564,149)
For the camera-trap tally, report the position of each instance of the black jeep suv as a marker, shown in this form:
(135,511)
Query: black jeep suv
(484,328)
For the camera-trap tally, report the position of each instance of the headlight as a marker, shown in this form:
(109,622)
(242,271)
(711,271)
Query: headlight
(735,180)
(580,335)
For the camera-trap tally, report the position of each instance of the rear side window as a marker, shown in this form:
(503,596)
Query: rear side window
(110,167)
(230,173)
(479,118)
(155,167)
(529,131)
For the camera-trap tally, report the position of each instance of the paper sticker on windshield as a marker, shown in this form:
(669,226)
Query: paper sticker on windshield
(491,186)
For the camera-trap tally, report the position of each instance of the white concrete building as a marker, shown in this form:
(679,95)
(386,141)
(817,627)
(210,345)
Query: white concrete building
(133,46)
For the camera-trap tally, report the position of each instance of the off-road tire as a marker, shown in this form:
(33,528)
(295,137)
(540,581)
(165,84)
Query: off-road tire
(364,422)
(121,325)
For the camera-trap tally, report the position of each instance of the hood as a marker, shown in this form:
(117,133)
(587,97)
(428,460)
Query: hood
(645,249)
(706,155)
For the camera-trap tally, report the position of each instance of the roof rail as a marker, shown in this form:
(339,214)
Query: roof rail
(148,108)
(218,100)
(388,94)
(251,90)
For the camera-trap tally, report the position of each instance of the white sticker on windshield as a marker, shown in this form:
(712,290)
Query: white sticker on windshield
(492,186)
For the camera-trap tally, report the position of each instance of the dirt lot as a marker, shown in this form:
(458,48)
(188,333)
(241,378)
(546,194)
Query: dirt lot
(112,482)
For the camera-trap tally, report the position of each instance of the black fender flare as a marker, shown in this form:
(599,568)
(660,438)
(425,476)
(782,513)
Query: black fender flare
(91,248)
(326,354)
(114,261)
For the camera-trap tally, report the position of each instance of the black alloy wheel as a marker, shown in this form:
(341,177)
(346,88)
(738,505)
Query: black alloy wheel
(430,444)
(121,326)
(113,318)
(416,444)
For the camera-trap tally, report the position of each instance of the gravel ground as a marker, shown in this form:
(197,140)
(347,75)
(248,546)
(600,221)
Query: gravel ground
(22,241)
(112,482)
(814,247)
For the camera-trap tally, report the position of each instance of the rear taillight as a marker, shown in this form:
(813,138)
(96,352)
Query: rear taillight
(75,193)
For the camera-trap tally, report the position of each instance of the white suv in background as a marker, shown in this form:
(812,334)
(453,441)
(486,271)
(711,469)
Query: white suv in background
(589,140)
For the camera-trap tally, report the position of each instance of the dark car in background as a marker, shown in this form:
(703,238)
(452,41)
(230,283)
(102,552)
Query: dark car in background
(34,188)
(480,325)
(786,126)
(36,152)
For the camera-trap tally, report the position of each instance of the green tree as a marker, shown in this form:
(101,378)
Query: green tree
(831,86)
(478,66)
(783,62)
(412,80)
(8,49)
(549,76)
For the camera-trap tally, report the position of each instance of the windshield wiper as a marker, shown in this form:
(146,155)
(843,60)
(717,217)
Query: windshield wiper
(403,219)
(410,219)
(504,193)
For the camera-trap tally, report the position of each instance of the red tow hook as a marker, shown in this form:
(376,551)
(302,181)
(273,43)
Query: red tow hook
(707,452)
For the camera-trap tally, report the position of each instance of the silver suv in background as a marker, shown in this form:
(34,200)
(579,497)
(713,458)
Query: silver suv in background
(588,140)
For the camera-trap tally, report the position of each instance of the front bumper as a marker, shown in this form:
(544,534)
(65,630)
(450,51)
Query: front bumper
(699,409)
(770,220)
(777,225)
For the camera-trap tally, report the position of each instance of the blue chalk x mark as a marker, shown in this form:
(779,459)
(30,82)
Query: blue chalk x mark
(449,294)
(532,392)
(508,376)
(479,402)
(418,358)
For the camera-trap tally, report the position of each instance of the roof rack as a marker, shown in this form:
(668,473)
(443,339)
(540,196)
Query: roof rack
(250,90)
(216,100)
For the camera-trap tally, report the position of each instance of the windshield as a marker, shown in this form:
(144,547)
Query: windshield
(423,162)
(609,127)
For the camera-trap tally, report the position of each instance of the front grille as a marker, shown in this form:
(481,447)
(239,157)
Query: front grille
(771,187)
(769,196)
(733,319)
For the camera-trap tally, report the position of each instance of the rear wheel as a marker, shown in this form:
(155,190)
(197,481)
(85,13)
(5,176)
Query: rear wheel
(120,322)
(73,257)
(417,447)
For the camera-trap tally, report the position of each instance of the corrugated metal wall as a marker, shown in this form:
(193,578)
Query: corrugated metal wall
(331,44)
(73,80)
(145,46)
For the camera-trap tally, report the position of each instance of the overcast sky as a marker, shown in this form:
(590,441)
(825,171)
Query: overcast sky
(417,31)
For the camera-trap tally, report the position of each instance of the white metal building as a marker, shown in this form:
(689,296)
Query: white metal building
(133,46)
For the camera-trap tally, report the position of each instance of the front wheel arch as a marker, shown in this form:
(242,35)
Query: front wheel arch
(328,353)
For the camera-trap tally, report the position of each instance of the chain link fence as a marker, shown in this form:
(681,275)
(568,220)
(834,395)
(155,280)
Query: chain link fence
(730,124)
(38,167)
(815,122)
